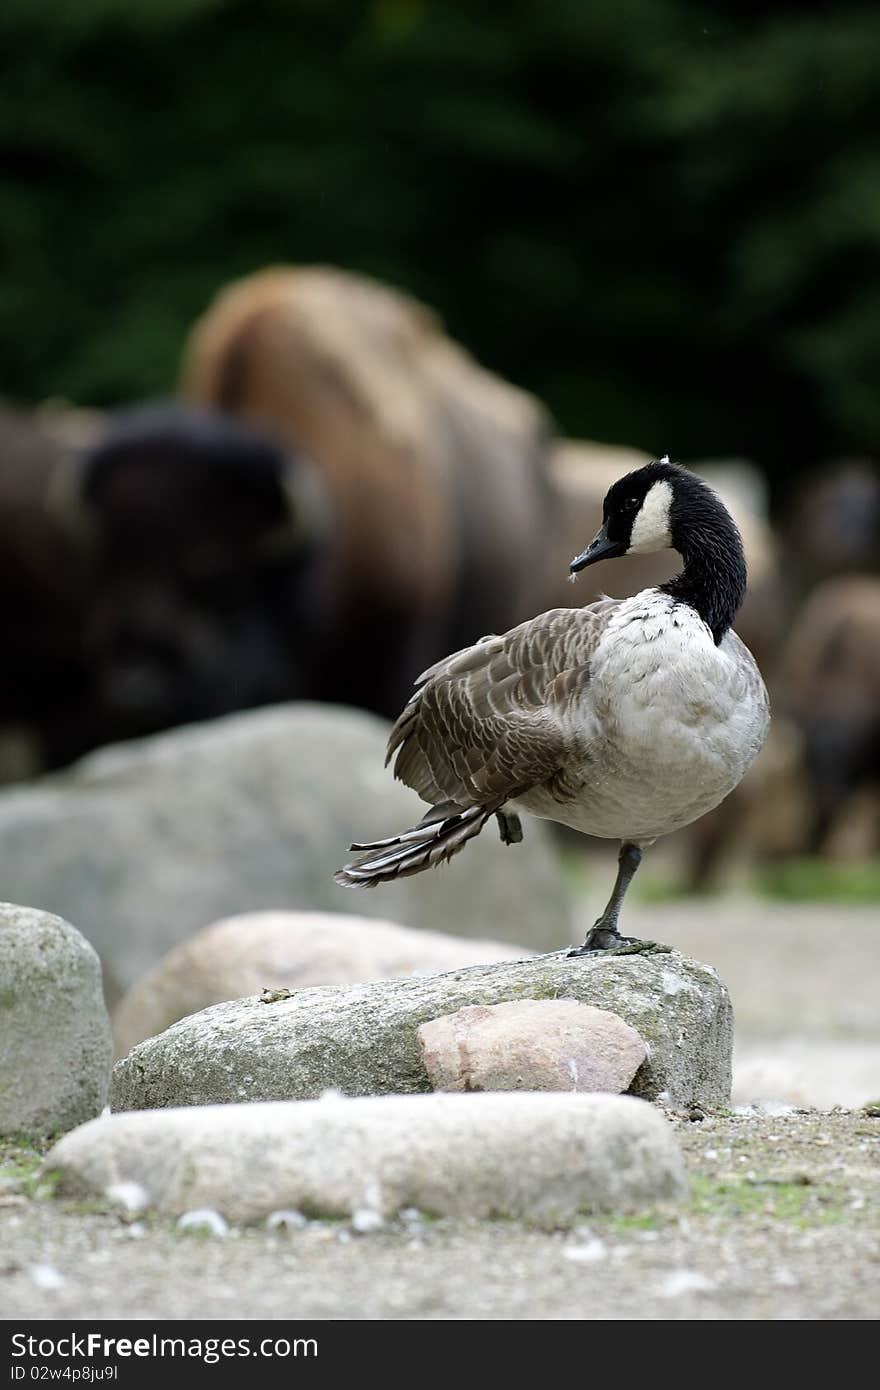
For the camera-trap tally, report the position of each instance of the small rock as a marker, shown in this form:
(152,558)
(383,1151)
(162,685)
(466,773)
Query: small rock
(55,1048)
(46,1277)
(268,996)
(204,1219)
(129,1196)
(531,1045)
(278,952)
(362,1039)
(682,1281)
(543,1157)
(591,1252)
(366,1219)
(770,1108)
(286,1221)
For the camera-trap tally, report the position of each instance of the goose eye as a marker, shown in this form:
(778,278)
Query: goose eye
(631,502)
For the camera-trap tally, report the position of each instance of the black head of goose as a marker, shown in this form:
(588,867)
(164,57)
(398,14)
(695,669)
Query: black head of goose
(626,719)
(664,506)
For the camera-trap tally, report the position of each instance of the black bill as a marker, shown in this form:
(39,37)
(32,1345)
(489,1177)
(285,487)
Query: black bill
(600,548)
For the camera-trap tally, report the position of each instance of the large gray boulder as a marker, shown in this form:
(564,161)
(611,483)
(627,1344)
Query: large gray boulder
(362,1039)
(144,843)
(245,954)
(545,1158)
(55,1049)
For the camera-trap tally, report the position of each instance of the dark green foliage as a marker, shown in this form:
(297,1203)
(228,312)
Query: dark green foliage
(662,216)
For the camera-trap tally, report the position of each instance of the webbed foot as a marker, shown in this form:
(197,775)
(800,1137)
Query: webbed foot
(615,945)
(601,937)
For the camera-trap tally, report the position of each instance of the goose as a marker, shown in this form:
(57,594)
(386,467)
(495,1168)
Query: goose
(626,719)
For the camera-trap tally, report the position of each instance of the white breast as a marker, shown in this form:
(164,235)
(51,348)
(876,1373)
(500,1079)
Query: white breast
(669,722)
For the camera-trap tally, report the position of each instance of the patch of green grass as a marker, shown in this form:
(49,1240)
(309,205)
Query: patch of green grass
(21,1169)
(21,1159)
(13,1143)
(793,1203)
(21,1149)
(653,1220)
(821,880)
(796,1203)
(87,1206)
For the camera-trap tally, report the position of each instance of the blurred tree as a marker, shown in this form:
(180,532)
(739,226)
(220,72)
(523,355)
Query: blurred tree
(663,216)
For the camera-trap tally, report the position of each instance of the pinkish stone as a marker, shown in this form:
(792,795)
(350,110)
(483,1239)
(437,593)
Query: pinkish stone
(531,1045)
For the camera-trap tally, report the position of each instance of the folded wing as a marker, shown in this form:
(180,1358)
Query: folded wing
(495,719)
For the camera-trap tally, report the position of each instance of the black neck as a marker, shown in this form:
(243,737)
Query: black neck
(713,580)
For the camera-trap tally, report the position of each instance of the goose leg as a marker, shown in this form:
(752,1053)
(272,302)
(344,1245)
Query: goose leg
(509,827)
(603,935)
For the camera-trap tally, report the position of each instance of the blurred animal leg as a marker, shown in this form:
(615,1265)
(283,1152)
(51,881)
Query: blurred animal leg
(708,840)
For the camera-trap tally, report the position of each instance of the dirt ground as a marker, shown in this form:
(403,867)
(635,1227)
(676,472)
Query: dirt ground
(783,1222)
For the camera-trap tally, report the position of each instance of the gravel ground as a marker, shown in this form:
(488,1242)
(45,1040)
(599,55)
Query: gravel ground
(778,1203)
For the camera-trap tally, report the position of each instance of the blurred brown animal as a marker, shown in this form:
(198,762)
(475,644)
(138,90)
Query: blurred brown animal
(830,688)
(435,469)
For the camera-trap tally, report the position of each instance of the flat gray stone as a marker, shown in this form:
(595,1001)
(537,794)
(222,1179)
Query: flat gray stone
(362,1039)
(145,843)
(55,1047)
(531,1045)
(545,1158)
(245,954)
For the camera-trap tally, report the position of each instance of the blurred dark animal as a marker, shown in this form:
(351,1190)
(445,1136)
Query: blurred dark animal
(830,687)
(43,575)
(204,538)
(832,525)
(434,468)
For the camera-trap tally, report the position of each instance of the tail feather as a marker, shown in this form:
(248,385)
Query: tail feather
(432,842)
(408,835)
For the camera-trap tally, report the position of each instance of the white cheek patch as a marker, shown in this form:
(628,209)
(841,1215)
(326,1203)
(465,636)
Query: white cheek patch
(651,527)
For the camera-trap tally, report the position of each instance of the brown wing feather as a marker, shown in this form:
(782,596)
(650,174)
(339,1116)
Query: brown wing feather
(487,722)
